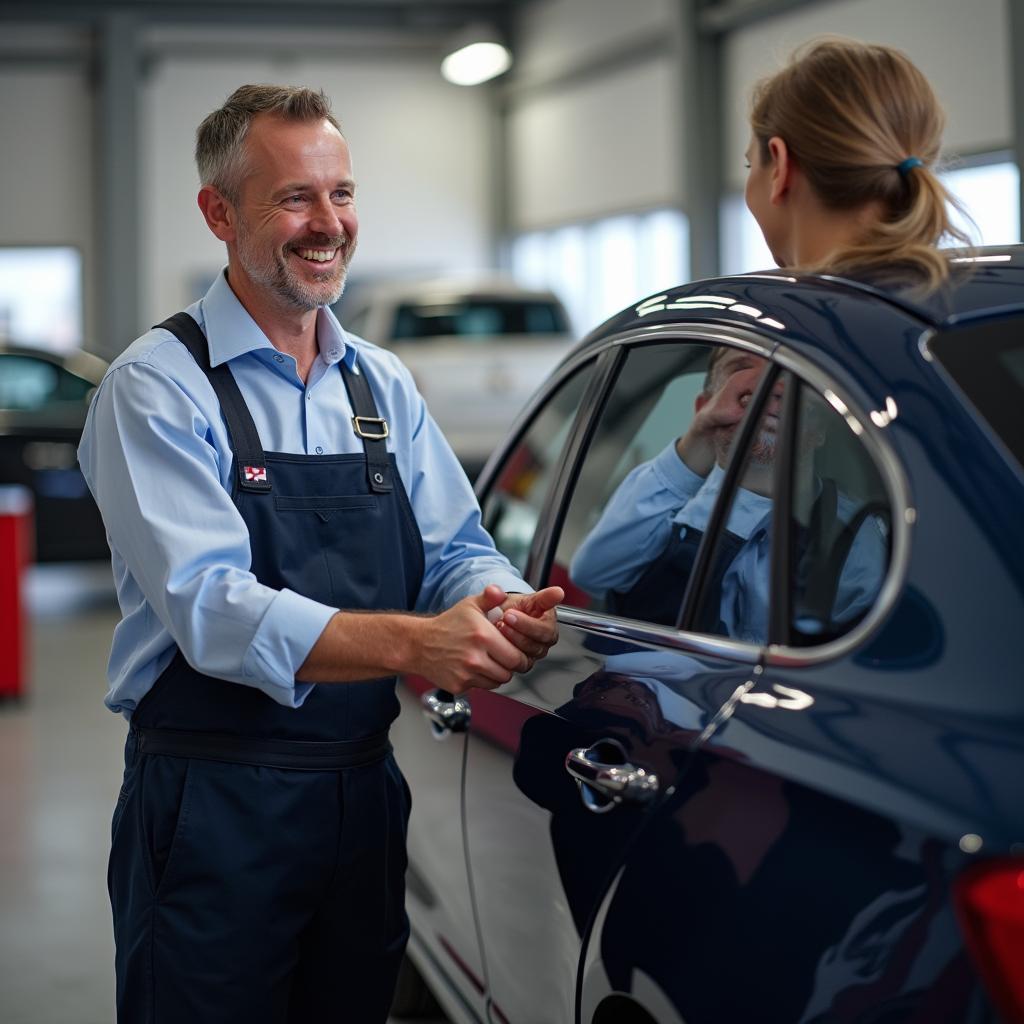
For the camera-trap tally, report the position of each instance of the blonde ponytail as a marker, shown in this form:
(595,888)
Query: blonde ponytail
(864,126)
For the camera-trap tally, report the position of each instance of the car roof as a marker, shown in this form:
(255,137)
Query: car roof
(985,282)
(77,361)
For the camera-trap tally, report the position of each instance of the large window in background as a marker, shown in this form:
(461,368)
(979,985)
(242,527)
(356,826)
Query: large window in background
(989,191)
(600,267)
(41,296)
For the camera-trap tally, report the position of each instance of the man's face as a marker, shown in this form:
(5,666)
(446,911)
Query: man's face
(296,217)
(733,382)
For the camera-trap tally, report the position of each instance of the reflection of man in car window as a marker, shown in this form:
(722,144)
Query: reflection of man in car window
(639,556)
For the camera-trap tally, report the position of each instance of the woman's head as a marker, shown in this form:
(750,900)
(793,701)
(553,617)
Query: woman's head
(863,128)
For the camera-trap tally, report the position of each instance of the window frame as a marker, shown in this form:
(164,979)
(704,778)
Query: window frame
(615,350)
(554,505)
(723,502)
(610,356)
(806,374)
(780,593)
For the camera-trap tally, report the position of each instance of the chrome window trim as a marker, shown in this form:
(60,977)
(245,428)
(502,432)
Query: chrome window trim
(904,515)
(894,480)
(737,337)
(636,631)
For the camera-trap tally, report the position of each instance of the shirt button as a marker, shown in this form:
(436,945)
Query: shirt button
(319,450)
(309,396)
(278,359)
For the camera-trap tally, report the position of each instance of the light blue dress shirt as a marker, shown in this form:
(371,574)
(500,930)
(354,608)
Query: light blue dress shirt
(663,495)
(156,455)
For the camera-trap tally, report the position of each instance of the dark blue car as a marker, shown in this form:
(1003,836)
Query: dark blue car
(774,769)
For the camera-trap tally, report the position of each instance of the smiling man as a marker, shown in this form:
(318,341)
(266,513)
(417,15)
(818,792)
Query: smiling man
(289,532)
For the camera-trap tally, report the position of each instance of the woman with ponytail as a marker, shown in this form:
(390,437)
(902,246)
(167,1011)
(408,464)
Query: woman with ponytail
(844,142)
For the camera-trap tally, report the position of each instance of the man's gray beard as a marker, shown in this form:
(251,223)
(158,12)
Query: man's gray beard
(760,453)
(273,273)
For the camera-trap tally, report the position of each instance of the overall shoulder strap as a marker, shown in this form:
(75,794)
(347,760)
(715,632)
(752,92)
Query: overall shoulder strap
(369,426)
(250,461)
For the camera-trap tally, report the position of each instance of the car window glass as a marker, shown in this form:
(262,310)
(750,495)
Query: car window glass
(512,507)
(841,521)
(734,592)
(27,383)
(476,320)
(647,471)
(987,361)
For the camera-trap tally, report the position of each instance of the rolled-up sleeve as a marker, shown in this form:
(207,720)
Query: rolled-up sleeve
(149,461)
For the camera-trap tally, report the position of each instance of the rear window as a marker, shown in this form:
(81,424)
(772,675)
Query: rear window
(28,384)
(987,361)
(478,319)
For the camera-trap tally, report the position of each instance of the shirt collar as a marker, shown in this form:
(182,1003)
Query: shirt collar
(231,331)
(748,509)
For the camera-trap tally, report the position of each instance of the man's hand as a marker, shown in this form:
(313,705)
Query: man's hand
(528,620)
(462,647)
(717,417)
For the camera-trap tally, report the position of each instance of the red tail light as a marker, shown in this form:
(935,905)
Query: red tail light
(989,899)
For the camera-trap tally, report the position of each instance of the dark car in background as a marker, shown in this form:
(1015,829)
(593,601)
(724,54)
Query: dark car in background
(776,775)
(44,398)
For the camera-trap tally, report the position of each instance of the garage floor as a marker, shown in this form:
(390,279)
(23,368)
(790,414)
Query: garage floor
(60,769)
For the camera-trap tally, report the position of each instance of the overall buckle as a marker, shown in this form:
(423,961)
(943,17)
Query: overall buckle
(370,435)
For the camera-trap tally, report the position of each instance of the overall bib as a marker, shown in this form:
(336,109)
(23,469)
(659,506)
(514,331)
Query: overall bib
(820,550)
(658,595)
(258,855)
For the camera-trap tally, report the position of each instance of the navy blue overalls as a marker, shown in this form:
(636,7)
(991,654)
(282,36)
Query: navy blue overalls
(820,551)
(658,595)
(258,856)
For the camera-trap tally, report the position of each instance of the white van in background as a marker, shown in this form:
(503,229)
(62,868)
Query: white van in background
(478,349)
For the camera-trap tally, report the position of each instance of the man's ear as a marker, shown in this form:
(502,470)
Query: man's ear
(782,165)
(219,213)
(700,401)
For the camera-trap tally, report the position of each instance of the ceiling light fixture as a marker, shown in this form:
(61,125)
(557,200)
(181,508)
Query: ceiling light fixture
(477,55)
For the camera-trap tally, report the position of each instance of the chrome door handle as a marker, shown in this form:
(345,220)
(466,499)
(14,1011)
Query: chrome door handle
(603,786)
(445,713)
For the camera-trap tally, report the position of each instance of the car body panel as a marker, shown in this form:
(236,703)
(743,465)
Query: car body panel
(438,894)
(531,840)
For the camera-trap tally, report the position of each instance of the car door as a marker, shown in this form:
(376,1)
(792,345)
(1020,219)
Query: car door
(799,873)
(567,764)
(432,749)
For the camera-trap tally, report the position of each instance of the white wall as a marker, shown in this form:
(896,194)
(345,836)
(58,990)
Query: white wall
(420,151)
(962,48)
(601,143)
(606,146)
(555,34)
(46,166)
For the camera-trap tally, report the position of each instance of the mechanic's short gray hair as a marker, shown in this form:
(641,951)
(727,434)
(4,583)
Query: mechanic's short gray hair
(220,149)
(711,381)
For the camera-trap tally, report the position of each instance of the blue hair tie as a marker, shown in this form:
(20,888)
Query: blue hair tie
(908,165)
